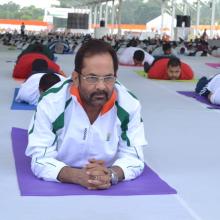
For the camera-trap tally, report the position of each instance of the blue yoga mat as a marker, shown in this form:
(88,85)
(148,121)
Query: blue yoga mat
(20,105)
(149,183)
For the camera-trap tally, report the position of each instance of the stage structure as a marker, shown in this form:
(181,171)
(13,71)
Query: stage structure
(183,6)
(70,18)
(101,9)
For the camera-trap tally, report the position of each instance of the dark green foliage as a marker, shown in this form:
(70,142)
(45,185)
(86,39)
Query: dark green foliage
(13,11)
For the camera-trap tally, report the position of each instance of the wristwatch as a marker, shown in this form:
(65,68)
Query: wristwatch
(114,176)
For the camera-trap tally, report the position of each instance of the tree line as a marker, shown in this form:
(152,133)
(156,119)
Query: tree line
(14,11)
(133,11)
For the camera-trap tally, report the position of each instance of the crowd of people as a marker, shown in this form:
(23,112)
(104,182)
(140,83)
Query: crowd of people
(91,115)
(67,42)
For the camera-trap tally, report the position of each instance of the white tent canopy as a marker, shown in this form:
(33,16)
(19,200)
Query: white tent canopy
(155,24)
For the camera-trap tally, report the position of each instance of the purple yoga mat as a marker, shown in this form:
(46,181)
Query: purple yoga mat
(199,98)
(149,183)
(213,65)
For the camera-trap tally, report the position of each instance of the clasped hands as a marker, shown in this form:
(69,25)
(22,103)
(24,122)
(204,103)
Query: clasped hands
(96,175)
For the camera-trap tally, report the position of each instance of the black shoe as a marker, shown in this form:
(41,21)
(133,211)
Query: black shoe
(201,87)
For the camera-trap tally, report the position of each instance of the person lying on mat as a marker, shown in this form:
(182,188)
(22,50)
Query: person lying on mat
(88,130)
(48,80)
(209,88)
(37,47)
(166,50)
(169,69)
(29,90)
(23,67)
(134,56)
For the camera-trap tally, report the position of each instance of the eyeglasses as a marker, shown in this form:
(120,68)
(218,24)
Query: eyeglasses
(95,79)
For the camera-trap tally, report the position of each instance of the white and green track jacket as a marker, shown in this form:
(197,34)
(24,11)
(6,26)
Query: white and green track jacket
(61,134)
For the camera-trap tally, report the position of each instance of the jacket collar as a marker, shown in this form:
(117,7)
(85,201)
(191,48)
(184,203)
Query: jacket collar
(107,106)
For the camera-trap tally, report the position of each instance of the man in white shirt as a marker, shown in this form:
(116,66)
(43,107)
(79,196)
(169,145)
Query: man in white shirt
(134,56)
(88,130)
(209,88)
(29,90)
